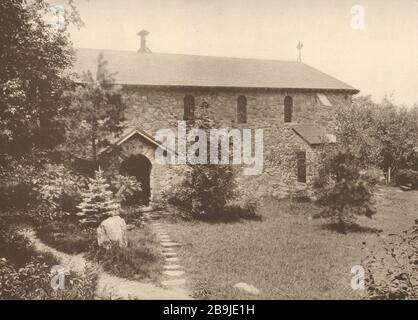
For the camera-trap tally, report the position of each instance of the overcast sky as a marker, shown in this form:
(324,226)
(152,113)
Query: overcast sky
(381,58)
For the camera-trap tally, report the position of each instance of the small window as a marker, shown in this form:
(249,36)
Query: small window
(324,100)
(301,166)
(188,107)
(242,109)
(288,106)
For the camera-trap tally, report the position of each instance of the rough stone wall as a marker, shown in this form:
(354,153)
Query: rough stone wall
(157,108)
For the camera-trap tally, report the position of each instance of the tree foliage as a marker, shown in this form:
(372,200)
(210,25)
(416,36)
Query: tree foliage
(381,135)
(34,60)
(349,195)
(98,202)
(95,113)
(206,188)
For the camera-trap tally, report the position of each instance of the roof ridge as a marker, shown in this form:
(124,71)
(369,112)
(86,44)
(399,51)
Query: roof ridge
(193,55)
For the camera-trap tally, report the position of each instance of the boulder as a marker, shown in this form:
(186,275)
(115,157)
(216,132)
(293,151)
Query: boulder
(245,287)
(112,231)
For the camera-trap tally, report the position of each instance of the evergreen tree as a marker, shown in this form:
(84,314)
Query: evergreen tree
(95,113)
(349,195)
(98,201)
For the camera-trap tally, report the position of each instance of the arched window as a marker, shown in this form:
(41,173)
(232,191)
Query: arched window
(288,106)
(188,108)
(242,109)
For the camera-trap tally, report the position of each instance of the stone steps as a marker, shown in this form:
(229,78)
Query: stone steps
(173,274)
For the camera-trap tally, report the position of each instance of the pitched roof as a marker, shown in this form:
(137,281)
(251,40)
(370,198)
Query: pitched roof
(128,133)
(158,69)
(312,133)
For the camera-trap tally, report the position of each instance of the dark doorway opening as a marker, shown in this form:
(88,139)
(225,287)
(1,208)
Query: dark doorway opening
(138,166)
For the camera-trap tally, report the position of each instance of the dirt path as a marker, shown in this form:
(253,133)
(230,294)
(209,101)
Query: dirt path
(109,286)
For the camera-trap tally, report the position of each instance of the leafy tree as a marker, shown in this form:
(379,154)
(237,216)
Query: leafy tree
(206,188)
(356,131)
(95,113)
(34,58)
(397,129)
(98,201)
(59,189)
(349,195)
(381,135)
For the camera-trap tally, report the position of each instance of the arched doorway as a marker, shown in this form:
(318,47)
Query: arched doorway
(138,166)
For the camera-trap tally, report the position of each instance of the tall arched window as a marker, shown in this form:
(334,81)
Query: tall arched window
(242,109)
(188,108)
(288,106)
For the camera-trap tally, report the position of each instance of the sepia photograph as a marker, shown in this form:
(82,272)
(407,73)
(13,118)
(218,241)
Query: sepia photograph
(221,152)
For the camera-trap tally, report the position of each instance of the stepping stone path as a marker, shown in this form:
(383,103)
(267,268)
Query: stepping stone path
(173,271)
(173,259)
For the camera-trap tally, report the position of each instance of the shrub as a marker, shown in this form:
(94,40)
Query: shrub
(405,177)
(42,193)
(372,176)
(205,191)
(33,281)
(28,282)
(392,273)
(26,274)
(16,196)
(78,287)
(349,196)
(244,206)
(132,215)
(206,188)
(13,246)
(59,188)
(126,187)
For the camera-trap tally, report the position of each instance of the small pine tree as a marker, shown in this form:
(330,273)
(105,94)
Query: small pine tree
(350,195)
(98,201)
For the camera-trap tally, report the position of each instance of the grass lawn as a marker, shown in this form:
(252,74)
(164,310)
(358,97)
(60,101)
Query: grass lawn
(66,237)
(141,260)
(287,255)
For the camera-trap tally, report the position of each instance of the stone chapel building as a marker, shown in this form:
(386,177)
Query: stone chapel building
(292,102)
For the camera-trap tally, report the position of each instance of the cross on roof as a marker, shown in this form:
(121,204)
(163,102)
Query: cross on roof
(299,47)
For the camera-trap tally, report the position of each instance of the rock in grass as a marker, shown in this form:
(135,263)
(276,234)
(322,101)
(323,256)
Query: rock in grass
(242,286)
(112,231)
